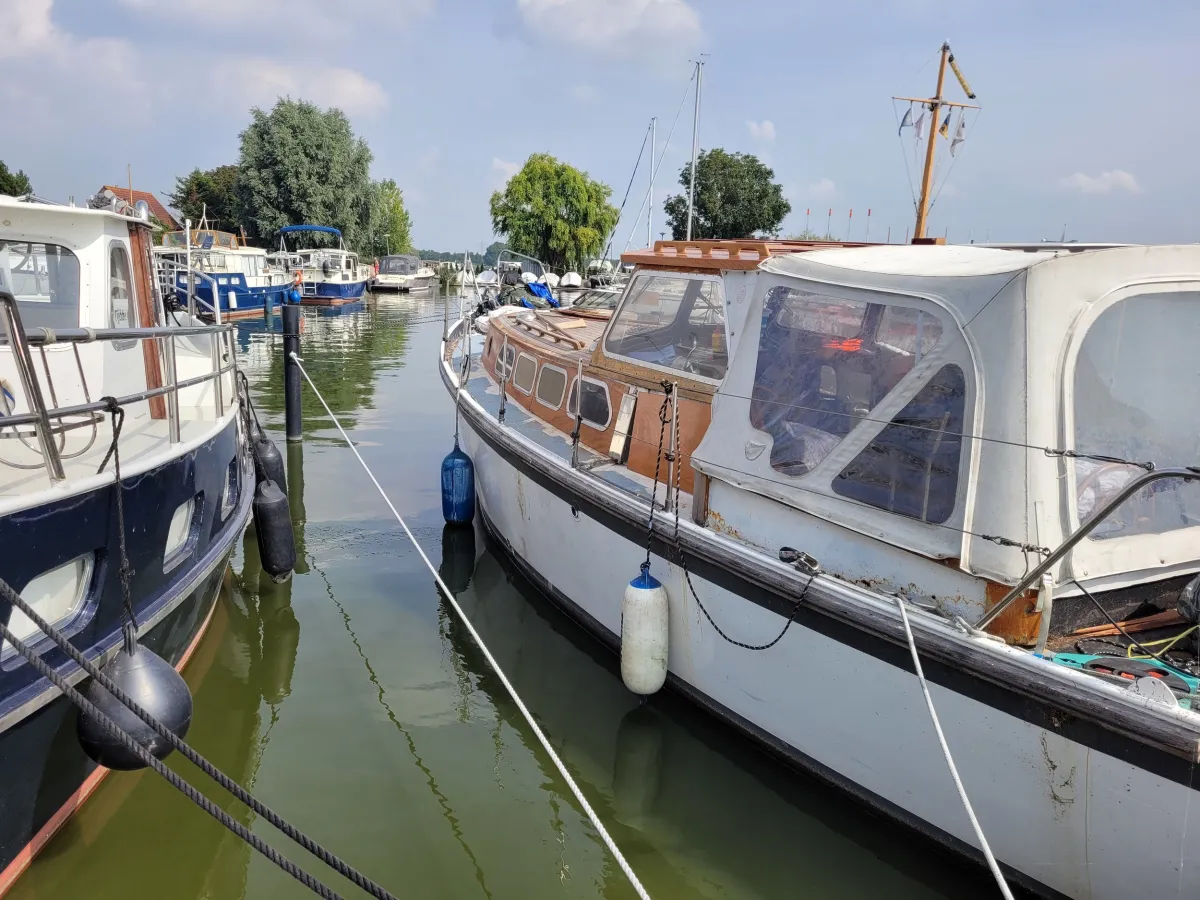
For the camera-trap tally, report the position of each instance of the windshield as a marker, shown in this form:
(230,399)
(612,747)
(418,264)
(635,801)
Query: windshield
(396,265)
(674,321)
(45,280)
(597,300)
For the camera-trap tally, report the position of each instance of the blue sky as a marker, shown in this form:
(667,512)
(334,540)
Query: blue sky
(1088,117)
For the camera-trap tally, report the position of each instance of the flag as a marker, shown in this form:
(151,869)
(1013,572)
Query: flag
(960,135)
(906,122)
(944,130)
(920,123)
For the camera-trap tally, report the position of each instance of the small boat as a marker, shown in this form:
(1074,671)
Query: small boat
(987,443)
(325,275)
(403,272)
(77,295)
(243,279)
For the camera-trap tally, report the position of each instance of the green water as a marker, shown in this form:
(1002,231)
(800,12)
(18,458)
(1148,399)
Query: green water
(352,702)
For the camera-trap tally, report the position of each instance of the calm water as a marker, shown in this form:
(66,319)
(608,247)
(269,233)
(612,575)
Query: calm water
(352,702)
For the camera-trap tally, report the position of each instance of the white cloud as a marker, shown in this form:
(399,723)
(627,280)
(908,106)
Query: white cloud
(762,131)
(585,94)
(504,170)
(822,189)
(260,81)
(1105,183)
(625,28)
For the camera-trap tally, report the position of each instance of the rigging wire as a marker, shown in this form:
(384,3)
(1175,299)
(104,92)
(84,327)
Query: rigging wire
(903,152)
(628,188)
(508,686)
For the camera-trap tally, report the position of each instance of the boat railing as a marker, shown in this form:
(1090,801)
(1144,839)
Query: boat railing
(169,272)
(49,423)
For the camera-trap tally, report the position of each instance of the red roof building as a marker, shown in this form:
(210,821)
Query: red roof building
(157,210)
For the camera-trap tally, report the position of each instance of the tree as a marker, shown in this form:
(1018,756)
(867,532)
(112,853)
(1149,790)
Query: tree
(14,183)
(390,228)
(301,165)
(735,198)
(212,193)
(491,255)
(554,212)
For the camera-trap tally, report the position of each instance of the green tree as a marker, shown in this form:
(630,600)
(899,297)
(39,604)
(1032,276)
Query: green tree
(554,212)
(212,193)
(14,183)
(735,198)
(299,164)
(492,254)
(391,226)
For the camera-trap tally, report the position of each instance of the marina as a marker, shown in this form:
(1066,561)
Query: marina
(729,560)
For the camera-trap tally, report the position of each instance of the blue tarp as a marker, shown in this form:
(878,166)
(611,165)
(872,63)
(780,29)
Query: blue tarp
(540,290)
(325,229)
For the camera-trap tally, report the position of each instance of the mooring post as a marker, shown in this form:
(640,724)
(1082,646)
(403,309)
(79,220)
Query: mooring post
(291,372)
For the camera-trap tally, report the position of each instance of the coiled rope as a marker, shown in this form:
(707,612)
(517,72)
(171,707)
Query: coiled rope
(508,686)
(937,727)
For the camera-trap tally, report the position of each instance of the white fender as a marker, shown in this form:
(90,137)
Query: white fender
(645,625)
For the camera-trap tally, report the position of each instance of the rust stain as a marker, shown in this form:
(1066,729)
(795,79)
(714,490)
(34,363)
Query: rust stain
(718,523)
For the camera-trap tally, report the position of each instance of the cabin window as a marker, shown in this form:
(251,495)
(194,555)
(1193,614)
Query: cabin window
(504,361)
(122,311)
(551,386)
(1135,399)
(523,373)
(592,397)
(824,363)
(911,467)
(45,280)
(674,322)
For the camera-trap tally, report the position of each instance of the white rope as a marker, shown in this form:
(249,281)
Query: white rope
(512,691)
(962,793)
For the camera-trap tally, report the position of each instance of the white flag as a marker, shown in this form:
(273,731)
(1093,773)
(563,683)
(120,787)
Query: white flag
(919,124)
(907,120)
(960,135)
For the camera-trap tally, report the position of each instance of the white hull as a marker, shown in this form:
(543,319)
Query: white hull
(1060,815)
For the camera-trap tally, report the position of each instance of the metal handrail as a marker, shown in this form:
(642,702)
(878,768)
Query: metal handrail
(21,338)
(501,254)
(1187,473)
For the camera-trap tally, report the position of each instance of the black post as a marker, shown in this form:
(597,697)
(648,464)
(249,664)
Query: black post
(291,372)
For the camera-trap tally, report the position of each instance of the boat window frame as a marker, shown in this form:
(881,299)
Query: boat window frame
(1118,556)
(537,385)
(521,354)
(134,318)
(681,374)
(607,397)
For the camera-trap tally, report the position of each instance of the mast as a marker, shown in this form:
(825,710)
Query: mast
(650,204)
(695,148)
(935,104)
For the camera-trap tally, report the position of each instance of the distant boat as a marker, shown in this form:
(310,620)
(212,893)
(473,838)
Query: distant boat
(325,275)
(403,272)
(245,280)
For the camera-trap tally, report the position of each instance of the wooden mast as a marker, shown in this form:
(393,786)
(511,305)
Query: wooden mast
(935,104)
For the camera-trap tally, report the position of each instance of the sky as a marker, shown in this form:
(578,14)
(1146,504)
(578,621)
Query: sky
(1087,124)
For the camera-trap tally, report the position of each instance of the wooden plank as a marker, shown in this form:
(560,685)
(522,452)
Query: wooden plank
(1146,623)
(148,306)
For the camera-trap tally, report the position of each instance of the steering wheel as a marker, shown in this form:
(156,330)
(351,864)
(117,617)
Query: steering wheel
(687,365)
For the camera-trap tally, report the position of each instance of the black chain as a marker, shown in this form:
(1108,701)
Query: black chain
(126,571)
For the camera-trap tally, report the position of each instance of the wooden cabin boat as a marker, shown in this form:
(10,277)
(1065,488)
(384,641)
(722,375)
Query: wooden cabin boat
(77,295)
(996,441)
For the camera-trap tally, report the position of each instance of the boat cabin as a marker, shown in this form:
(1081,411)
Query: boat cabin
(922,419)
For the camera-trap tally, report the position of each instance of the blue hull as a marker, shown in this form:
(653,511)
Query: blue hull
(245,300)
(44,768)
(336,290)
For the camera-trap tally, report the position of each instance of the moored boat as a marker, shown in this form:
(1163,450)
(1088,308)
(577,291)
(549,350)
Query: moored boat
(77,294)
(403,272)
(326,276)
(933,429)
(223,272)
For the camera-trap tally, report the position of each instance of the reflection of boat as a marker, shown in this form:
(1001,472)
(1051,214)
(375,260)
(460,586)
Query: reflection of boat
(402,272)
(328,275)
(887,410)
(714,812)
(84,299)
(244,280)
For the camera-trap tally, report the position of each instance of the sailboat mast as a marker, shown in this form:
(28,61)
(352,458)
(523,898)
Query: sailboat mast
(650,200)
(695,148)
(935,106)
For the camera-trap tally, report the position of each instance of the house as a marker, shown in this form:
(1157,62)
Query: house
(157,210)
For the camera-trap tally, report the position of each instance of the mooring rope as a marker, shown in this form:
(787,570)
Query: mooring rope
(508,686)
(937,727)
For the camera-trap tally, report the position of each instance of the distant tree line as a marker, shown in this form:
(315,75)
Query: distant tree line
(298,165)
(485,260)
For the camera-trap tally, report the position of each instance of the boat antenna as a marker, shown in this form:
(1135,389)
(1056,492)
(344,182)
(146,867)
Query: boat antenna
(695,146)
(934,104)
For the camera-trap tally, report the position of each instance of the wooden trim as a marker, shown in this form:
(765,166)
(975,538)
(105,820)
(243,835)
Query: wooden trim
(148,305)
(722,256)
